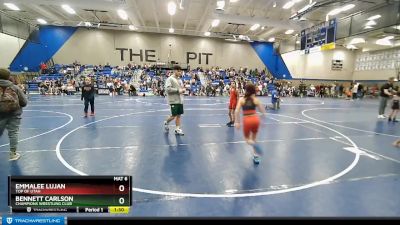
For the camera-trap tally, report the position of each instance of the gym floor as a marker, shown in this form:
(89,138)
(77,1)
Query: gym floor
(322,157)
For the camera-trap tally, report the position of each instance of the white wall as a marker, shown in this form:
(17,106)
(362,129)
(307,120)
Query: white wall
(9,48)
(374,74)
(377,65)
(99,47)
(318,65)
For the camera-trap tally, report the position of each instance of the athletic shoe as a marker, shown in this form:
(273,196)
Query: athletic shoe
(229,124)
(256,159)
(166,128)
(14,156)
(86,115)
(179,132)
(381,117)
(92,114)
(390,120)
(395,121)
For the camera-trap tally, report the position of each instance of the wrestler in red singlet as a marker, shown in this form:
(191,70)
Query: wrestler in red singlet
(234,95)
(251,120)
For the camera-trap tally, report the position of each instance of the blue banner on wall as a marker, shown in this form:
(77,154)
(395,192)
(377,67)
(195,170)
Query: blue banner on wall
(51,39)
(272,60)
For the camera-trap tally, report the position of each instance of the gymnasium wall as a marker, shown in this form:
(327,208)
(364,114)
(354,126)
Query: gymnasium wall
(9,47)
(318,65)
(374,75)
(106,46)
(377,65)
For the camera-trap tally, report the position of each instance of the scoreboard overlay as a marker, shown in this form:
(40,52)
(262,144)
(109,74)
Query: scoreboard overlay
(75,194)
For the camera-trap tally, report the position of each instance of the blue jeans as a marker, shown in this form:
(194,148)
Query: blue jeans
(87,101)
(382,105)
(11,123)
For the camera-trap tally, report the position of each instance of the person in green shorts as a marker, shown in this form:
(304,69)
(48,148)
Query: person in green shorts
(174,93)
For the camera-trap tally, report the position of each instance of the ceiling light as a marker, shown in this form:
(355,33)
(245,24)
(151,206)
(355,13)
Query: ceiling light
(351,47)
(334,12)
(171,30)
(389,37)
(221,4)
(233,1)
(12,6)
(348,7)
(288,5)
(297,42)
(289,32)
(232,39)
(339,10)
(207,33)
(397,27)
(42,21)
(274,5)
(370,23)
(215,23)
(305,8)
(384,42)
(367,27)
(68,9)
(255,27)
(122,14)
(262,28)
(88,24)
(374,17)
(171,8)
(271,39)
(357,41)
(131,27)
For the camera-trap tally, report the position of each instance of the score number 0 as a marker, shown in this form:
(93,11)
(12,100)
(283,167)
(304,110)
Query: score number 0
(121,200)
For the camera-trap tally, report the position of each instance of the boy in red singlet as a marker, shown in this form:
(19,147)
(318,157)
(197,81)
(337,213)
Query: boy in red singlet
(234,96)
(251,120)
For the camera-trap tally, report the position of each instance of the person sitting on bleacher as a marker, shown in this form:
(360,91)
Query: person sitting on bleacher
(43,68)
(70,89)
(43,88)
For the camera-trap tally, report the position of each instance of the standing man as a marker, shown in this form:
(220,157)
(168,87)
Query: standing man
(12,100)
(355,91)
(385,94)
(174,93)
(88,95)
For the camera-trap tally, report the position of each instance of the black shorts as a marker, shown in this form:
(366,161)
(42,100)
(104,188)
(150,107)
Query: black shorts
(395,106)
(176,109)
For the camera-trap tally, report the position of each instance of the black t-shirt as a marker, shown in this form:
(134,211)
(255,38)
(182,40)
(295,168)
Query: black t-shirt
(386,86)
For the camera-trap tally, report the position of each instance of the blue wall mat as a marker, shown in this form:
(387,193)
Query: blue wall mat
(51,38)
(271,60)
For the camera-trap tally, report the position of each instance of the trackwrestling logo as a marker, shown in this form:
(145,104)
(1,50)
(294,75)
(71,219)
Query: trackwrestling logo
(34,220)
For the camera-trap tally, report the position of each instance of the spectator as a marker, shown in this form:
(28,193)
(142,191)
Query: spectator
(385,94)
(11,103)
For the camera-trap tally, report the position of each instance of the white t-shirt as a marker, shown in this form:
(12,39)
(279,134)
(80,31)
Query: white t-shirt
(355,88)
